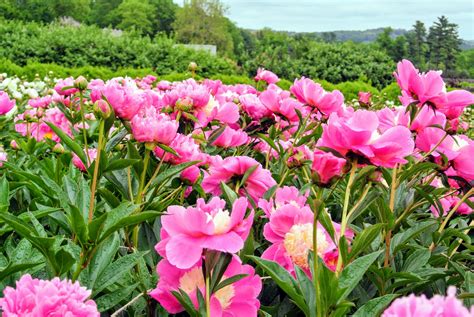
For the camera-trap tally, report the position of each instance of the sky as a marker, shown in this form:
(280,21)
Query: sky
(333,15)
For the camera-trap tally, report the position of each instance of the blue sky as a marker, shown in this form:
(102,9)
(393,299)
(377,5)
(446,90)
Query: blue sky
(331,15)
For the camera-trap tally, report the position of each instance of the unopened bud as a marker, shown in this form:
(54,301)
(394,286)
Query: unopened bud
(81,83)
(102,109)
(58,148)
(192,67)
(14,145)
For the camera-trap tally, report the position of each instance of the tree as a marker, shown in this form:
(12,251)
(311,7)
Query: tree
(203,22)
(443,42)
(417,47)
(384,40)
(165,15)
(399,48)
(136,15)
(103,14)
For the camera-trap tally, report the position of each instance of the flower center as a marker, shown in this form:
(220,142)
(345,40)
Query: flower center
(191,280)
(299,241)
(221,221)
(225,295)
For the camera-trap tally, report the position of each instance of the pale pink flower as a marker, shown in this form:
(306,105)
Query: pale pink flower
(6,104)
(40,102)
(312,94)
(420,306)
(3,157)
(150,126)
(236,299)
(232,169)
(266,76)
(37,298)
(186,232)
(327,166)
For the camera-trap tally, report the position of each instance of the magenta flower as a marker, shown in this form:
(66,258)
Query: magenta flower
(65,87)
(463,162)
(186,232)
(420,306)
(252,105)
(266,76)
(286,195)
(364,97)
(124,97)
(150,126)
(312,94)
(278,102)
(236,299)
(35,297)
(77,162)
(232,169)
(6,104)
(326,166)
(231,138)
(3,157)
(290,231)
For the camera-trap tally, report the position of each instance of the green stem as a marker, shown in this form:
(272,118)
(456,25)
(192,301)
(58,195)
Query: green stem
(208,296)
(96,170)
(318,307)
(155,173)
(138,199)
(84,132)
(344,211)
(388,235)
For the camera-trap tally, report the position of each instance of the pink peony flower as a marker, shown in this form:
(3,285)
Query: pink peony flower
(35,297)
(40,102)
(231,138)
(420,306)
(124,97)
(6,104)
(76,161)
(364,97)
(455,102)
(186,232)
(463,163)
(389,118)
(429,137)
(266,76)
(280,103)
(448,203)
(65,87)
(286,195)
(236,299)
(186,148)
(290,231)
(358,134)
(150,126)
(312,94)
(252,105)
(232,169)
(326,166)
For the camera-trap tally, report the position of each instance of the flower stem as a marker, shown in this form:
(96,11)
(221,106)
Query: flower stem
(138,199)
(388,235)
(96,170)
(318,204)
(84,132)
(208,296)
(344,211)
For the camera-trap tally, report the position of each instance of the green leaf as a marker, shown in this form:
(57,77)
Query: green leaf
(375,306)
(120,164)
(112,299)
(215,134)
(78,224)
(416,260)
(110,197)
(228,193)
(172,171)
(400,239)
(76,148)
(4,194)
(129,221)
(248,173)
(13,268)
(353,273)
(64,261)
(307,288)
(116,270)
(116,139)
(284,280)
(103,258)
(185,301)
(229,281)
(363,239)
(168,149)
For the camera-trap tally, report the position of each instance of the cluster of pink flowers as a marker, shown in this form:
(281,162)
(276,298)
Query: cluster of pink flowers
(34,298)
(420,306)
(186,233)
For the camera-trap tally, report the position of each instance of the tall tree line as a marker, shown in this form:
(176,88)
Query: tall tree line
(435,48)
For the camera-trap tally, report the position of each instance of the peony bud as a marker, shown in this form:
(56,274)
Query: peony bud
(58,148)
(102,109)
(81,83)
(192,67)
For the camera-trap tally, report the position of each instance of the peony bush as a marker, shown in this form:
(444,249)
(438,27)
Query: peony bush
(134,197)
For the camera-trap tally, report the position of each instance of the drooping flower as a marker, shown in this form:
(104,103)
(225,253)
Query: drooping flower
(186,232)
(312,94)
(326,165)
(6,104)
(36,298)
(290,230)
(236,299)
(420,306)
(232,169)
(266,76)
(150,126)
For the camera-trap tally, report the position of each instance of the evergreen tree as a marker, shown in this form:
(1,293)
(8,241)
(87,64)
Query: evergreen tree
(165,14)
(443,42)
(399,48)
(136,15)
(103,14)
(384,40)
(417,47)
